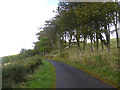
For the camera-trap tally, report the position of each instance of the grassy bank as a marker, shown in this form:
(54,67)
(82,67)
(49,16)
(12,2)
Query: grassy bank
(43,77)
(103,65)
(16,71)
(27,72)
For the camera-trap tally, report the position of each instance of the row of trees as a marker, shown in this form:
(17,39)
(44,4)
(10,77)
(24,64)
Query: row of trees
(79,22)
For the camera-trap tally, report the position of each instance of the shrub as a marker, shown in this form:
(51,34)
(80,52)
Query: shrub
(14,72)
(17,71)
(64,55)
(7,83)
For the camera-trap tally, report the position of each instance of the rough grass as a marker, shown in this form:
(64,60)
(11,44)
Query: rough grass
(43,77)
(102,64)
(16,71)
(27,72)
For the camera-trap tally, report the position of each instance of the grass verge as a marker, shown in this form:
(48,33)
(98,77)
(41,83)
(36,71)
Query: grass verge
(100,64)
(43,77)
(102,73)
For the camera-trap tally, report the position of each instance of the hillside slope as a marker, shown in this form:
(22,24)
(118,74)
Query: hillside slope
(102,64)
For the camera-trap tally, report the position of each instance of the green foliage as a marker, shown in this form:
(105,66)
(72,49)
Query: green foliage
(43,77)
(79,22)
(102,64)
(64,55)
(28,53)
(7,59)
(13,72)
(16,71)
(22,55)
(98,57)
(42,46)
(23,50)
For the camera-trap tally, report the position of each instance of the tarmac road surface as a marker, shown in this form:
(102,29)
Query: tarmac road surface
(70,77)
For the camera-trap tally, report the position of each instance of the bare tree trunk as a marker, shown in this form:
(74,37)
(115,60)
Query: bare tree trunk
(91,43)
(78,42)
(59,46)
(97,41)
(65,40)
(107,36)
(52,46)
(119,46)
(108,42)
(70,38)
(119,28)
(69,43)
(91,39)
(84,43)
(117,37)
(101,41)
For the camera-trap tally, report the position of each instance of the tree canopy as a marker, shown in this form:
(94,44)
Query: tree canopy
(78,22)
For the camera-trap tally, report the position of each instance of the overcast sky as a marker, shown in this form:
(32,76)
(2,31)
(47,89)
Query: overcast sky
(19,22)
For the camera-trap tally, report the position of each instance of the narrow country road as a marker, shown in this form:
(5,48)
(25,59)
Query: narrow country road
(70,77)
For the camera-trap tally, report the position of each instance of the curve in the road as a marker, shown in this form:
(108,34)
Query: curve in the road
(70,77)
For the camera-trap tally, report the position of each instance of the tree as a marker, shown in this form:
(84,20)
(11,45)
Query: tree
(23,50)
(42,46)
(79,20)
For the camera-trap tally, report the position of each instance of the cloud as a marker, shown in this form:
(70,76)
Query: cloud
(19,20)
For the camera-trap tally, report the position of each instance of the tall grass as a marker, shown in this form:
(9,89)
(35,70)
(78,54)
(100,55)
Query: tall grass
(15,69)
(43,77)
(101,64)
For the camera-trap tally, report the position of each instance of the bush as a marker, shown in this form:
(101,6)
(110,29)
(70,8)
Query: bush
(17,71)
(7,83)
(64,55)
(14,72)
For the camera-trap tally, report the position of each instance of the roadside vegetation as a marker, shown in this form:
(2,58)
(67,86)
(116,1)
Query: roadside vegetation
(15,69)
(43,77)
(102,65)
(65,38)
(27,70)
